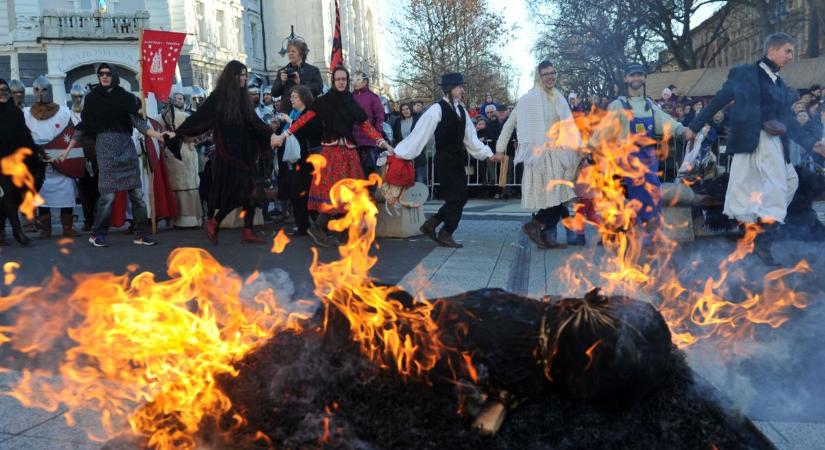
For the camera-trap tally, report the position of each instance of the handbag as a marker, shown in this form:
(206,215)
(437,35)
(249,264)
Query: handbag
(400,172)
(292,150)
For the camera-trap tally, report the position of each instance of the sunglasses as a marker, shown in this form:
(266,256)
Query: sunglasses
(104,74)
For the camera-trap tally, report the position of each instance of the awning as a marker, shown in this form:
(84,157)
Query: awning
(800,74)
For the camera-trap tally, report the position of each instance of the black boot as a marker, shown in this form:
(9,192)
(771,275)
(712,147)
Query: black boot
(17,230)
(428,228)
(533,230)
(550,240)
(445,238)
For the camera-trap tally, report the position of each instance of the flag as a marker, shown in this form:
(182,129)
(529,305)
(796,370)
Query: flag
(159,51)
(337,57)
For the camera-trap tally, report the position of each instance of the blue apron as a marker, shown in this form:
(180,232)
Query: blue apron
(639,188)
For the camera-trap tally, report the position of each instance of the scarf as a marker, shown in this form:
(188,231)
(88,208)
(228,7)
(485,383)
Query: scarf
(338,112)
(534,125)
(109,108)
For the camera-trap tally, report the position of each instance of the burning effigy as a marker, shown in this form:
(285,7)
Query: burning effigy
(192,361)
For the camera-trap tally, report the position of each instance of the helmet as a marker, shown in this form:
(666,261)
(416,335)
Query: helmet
(18,92)
(77,93)
(198,95)
(42,88)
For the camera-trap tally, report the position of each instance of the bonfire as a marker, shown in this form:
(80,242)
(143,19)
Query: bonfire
(193,362)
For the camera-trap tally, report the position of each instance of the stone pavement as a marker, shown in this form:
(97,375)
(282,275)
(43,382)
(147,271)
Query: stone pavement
(497,254)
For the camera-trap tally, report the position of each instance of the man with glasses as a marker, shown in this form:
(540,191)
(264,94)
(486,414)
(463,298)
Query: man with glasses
(545,160)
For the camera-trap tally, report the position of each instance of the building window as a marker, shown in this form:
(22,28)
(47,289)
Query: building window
(239,47)
(199,14)
(253,34)
(219,17)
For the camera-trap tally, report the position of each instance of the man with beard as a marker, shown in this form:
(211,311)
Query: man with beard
(182,167)
(47,121)
(762,180)
(639,115)
(540,110)
(14,135)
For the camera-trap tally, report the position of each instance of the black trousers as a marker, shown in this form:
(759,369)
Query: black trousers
(449,171)
(549,217)
(88,193)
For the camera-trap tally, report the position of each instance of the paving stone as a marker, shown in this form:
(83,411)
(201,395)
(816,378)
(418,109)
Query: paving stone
(794,435)
(15,418)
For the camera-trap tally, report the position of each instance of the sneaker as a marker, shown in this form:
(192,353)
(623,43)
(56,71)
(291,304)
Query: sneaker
(98,241)
(144,240)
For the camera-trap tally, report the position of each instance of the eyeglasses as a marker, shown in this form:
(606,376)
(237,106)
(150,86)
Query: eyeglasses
(104,74)
(340,79)
(549,74)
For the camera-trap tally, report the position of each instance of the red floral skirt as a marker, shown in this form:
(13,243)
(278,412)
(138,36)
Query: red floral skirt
(342,162)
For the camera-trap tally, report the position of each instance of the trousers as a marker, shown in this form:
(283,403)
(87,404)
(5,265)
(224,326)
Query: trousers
(449,170)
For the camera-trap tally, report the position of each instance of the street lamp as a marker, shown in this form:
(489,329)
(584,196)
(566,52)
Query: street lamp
(287,40)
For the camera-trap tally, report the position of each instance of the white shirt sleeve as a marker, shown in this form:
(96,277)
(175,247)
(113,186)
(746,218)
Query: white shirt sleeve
(473,145)
(506,133)
(412,145)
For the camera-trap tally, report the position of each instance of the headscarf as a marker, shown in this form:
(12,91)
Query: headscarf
(338,110)
(108,108)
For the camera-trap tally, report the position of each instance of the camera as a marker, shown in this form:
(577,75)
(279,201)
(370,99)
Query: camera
(290,71)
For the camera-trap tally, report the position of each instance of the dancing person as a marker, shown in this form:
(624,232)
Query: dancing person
(240,137)
(637,114)
(109,115)
(548,163)
(762,180)
(338,112)
(454,133)
(295,174)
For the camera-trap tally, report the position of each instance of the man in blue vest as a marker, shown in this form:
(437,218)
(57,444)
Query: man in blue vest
(762,180)
(454,133)
(639,114)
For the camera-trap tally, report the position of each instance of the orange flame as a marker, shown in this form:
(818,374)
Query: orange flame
(8,270)
(279,242)
(143,352)
(318,164)
(15,167)
(629,267)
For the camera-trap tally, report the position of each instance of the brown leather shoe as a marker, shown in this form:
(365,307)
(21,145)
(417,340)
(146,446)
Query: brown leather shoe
(211,228)
(550,241)
(533,230)
(445,238)
(428,228)
(44,224)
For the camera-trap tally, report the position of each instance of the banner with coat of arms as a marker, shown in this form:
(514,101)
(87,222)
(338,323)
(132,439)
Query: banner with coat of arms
(159,52)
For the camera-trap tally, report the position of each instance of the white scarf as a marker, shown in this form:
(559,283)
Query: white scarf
(537,135)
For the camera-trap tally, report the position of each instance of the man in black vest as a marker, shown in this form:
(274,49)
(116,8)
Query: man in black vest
(762,180)
(454,133)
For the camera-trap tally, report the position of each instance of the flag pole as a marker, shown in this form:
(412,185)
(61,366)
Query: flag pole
(151,187)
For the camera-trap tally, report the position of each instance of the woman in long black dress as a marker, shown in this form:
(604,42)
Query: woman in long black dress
(240,137)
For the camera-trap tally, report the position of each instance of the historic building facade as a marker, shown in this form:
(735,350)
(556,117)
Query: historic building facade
(65,39)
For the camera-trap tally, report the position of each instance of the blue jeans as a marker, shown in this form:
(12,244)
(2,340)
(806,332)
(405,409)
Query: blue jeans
(103,212)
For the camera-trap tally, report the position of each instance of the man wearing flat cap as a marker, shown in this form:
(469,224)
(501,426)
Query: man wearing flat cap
(454,133)
(641,116)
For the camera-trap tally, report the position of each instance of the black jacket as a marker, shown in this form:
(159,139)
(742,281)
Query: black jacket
(745,119)
(396,129)
(310,77)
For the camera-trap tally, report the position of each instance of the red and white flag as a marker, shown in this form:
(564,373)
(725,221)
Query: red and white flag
(159,52)
(337,57)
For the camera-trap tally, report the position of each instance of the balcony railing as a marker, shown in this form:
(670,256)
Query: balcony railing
(92,25)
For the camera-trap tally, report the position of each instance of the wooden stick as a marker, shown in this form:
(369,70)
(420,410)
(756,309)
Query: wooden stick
(490,419)
(154,210)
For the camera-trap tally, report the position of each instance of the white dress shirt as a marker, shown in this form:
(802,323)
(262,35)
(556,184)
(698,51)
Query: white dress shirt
(414,143)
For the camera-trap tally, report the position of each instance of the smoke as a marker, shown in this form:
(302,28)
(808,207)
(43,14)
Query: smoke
(290,297)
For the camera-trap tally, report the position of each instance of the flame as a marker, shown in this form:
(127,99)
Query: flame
(589,353)
(279,242)
(15,167)
(693,312)
(143,353)
(8,270)
(318,163)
